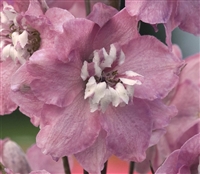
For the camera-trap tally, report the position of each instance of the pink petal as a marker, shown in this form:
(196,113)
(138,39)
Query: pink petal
(7,68)
(40,172)
(128,129)
(68,130)
(101,13)
(170,164)
(151,11)
(93,158)
(120,28)
(55,82)
(78,35)
(191,150)
(58,17)
(34,9)
(38,161)
(191,71)
(23,96)
(153,60)
(187,16)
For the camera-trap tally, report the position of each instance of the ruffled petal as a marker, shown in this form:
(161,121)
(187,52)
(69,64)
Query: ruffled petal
(131,126)
(153,60)
(187,16)
(23,96)
(38,161)
(68,130)
(93,158)
(120,28)
(54,82)
(169,166)
(101,13)
(78,36)
(7,68)
(57,17)
(151,11)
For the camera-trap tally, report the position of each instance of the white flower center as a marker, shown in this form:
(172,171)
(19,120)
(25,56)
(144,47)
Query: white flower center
(18,41)
(104,85)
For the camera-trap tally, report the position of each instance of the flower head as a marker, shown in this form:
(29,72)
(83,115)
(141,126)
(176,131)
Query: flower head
(101,89)
(23,33)
(184,160)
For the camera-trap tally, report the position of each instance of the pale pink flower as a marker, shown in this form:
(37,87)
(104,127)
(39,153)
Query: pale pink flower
(185,96)
(22,33)
(183,160)
(172,13)
(101,90)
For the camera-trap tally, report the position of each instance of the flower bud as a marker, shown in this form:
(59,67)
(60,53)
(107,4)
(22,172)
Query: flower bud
(14,158)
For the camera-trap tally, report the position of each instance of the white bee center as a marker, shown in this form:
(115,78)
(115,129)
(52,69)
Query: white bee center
(104,86)
(18,41)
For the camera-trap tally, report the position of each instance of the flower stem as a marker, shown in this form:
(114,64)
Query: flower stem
(105,168)
(151,167)
(131,167)
(87,7)
(85,172)
(66,165)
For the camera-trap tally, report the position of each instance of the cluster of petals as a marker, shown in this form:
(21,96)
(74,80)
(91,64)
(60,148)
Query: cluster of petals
(183,160)
(25,28)
(15,161)
(98,86)
(172,13)
(185,96)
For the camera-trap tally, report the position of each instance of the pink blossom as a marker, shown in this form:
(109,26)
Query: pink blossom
(23,33)
(100,87)
(172,13)
(185,96)
(184,160)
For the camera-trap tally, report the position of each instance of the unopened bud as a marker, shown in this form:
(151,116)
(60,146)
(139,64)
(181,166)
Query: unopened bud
(14,158)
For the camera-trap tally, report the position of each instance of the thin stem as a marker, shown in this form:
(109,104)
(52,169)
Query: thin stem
(85,172)
(66,165)
(105,168)
(131,167)
(87,7)
(151,167)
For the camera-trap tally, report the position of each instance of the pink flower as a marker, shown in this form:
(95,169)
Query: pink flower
(101,88)
(184,160)
(185,96)
(22,33)
(176,13)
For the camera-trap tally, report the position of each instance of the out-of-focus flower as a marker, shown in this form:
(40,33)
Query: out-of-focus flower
(172,14)
(22,33)
(12,157)
(15,161)
(185,96)
(101,89)
(184,160)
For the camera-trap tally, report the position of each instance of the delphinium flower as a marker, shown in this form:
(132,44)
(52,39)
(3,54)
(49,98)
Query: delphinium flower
(183,160)
(22,33)
(14,160)
(102,91)
(176,13)
(185,96)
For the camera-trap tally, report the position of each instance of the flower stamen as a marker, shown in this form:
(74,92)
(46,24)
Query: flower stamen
(104,85)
